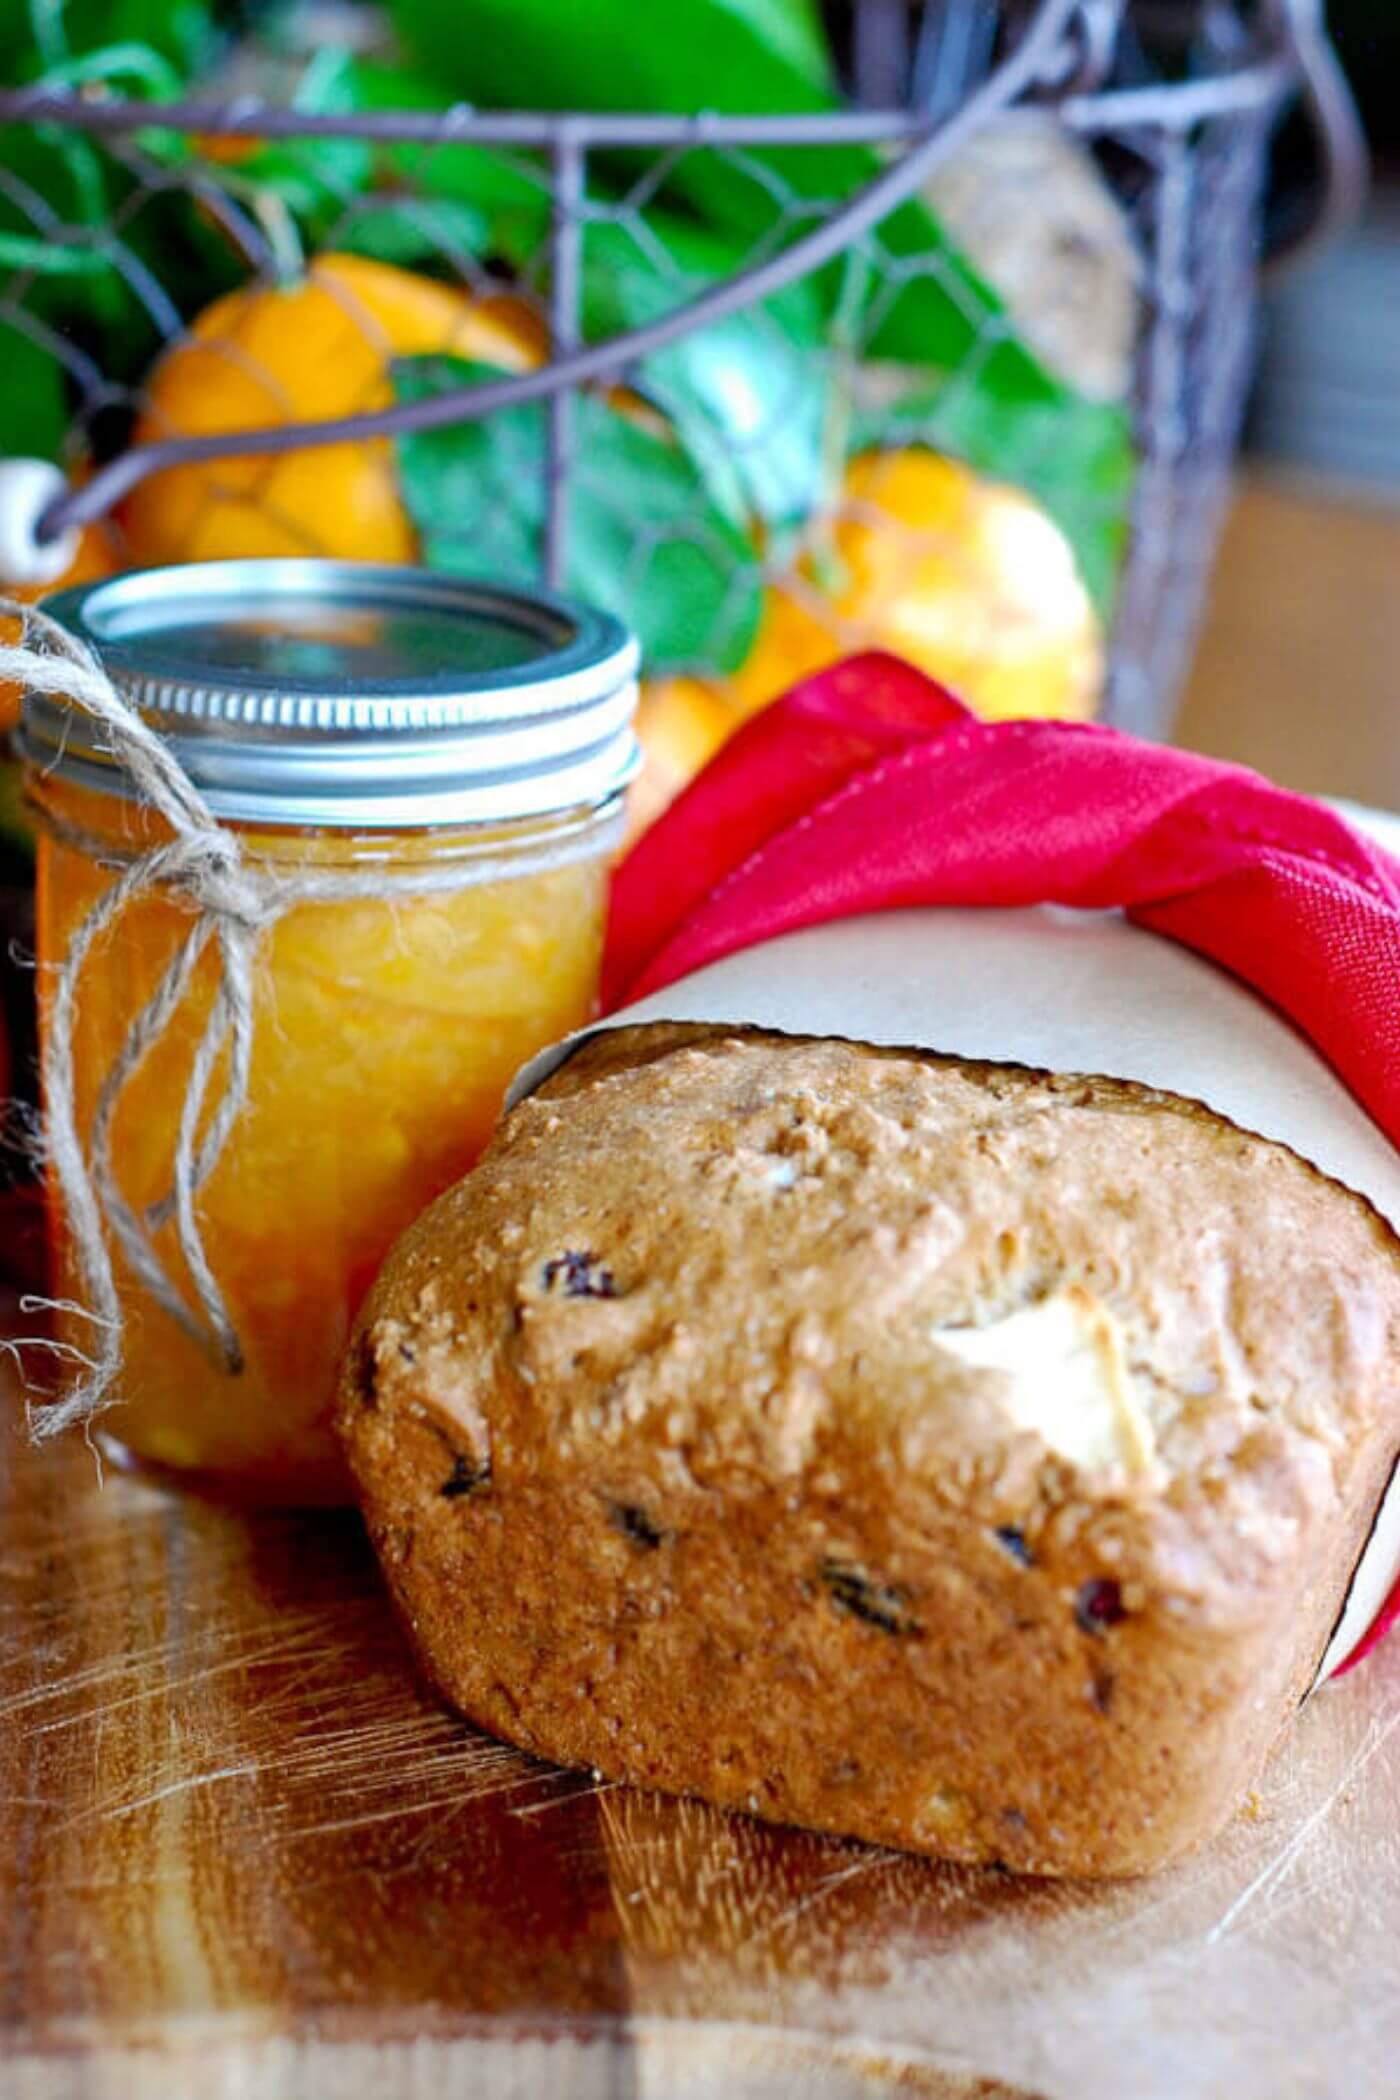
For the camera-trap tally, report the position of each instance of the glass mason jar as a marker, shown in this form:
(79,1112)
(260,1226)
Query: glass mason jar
(340,720)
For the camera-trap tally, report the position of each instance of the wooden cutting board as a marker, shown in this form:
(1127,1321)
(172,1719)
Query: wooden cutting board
(242,1852)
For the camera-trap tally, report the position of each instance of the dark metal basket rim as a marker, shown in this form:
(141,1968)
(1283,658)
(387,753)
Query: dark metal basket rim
(1170,105)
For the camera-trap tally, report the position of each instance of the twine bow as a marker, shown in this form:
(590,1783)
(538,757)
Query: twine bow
(233,900)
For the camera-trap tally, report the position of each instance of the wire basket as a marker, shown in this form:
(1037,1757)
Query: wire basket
(662,415)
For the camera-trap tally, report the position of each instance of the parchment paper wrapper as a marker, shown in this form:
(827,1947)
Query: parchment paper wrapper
(1066,992)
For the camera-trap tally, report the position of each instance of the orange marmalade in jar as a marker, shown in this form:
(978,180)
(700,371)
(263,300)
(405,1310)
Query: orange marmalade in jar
(429,774)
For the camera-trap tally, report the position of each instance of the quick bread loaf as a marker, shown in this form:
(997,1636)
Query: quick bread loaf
(946,1454)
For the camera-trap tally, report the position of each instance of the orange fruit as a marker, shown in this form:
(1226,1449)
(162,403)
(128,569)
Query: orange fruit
(681,723)
(968,579)
(93,559)
(319,348)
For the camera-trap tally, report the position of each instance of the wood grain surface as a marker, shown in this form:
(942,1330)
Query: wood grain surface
(243,1854)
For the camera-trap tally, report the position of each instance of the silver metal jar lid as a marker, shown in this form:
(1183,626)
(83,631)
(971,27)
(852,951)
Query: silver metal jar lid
(351,695)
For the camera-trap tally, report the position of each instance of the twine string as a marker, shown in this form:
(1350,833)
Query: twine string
(145,1031)
(232,901)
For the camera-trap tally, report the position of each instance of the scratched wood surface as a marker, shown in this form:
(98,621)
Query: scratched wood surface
(243,1854)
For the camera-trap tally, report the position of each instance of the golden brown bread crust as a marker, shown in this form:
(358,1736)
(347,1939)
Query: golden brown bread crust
(671,1476)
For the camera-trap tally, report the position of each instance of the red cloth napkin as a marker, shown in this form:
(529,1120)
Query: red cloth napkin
(869,787)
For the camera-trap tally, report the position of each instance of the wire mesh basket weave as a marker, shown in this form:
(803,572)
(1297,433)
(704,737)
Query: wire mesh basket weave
(616,314)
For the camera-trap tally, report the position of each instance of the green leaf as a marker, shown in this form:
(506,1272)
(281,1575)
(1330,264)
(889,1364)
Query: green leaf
(1076,457)
(110,295)
(19,251)
(58,193)
(748,395)
(612,54)
(415,232)
(918,301)
(646,538)
(315,178)
(99,261)
(130,68)
(755,56)
(38,36)
(925,304)
(33,399)
(501,199)
(420,206)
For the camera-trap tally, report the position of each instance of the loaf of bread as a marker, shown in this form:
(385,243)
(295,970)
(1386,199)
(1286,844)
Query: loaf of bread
(946,1454)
